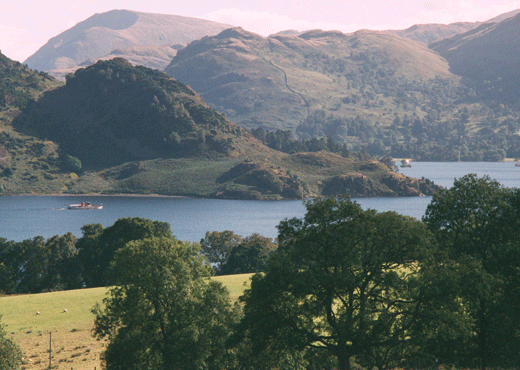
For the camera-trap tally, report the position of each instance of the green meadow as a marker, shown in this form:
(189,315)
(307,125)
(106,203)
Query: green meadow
(34,320)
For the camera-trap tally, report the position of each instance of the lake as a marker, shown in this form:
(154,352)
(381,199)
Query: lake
(23,217)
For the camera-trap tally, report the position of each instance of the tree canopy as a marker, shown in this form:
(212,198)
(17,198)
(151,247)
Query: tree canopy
(164,312)
(98,245)
(345,281)
(476,223)
(230,253)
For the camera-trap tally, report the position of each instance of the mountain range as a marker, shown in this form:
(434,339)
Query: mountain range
(116,124)
(401,93)
(488,55)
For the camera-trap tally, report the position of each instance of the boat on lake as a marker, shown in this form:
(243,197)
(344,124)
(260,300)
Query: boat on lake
(84,205)
(406,163)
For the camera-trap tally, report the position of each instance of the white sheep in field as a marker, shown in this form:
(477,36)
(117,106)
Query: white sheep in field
(64,310)
(37,312)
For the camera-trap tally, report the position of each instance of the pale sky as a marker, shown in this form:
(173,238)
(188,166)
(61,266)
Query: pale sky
(26,25)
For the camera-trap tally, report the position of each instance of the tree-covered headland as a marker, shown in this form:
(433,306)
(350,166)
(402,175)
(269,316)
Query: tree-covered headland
(340,288)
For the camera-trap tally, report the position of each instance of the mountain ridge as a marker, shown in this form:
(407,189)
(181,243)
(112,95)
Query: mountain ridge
(117,29)
(487,55)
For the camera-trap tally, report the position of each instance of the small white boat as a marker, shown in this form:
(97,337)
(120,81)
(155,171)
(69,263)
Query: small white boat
(406,163)
(84,205)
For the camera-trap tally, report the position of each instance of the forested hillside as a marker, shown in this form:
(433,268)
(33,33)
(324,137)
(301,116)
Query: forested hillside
(370,90)
(116,128)
(111,113)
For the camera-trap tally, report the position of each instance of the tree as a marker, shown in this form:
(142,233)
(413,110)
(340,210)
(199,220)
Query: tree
(10,353)
(217,247)
(60,254)
(250,255)
(345,281)
(476,223)
(71,163)
(165,312)
(36,265)
(99,245)
(230,253)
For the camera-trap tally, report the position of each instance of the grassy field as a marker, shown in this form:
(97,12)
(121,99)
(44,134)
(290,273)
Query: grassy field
(73,346)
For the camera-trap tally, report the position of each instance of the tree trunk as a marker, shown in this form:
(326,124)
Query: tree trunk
(343,357)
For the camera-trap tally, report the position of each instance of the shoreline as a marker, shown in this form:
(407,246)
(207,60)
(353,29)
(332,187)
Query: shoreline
(96,195)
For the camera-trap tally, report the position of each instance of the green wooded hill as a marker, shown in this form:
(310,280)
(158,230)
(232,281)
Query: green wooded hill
(371,90)
(111,113)
(25,159)
(115,128)
(19,84)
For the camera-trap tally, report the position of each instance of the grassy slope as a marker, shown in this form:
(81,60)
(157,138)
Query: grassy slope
(488,55)
(72,344)
(102,33)
(244,75)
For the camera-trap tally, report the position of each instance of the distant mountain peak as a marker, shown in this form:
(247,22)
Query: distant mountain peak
(238,32)
(102,33)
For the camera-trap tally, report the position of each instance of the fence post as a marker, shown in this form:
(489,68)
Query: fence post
(50,350)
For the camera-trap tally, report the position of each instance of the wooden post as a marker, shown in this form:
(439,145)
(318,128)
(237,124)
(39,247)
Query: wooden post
(50,350)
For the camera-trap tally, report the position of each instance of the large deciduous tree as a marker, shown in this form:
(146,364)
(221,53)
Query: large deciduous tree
(164,312)
(217,247)
(477,224)
(344,281)
(250,255)
(230,253)
(38,265)
(98,246)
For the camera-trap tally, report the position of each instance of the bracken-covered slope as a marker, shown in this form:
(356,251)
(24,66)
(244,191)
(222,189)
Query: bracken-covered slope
(281,81)
(139,131)
(102,33)
(370,90)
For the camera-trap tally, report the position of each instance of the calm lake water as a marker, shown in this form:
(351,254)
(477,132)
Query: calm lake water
(23,217)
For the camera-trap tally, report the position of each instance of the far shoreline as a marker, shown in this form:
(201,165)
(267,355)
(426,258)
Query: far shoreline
(96,195)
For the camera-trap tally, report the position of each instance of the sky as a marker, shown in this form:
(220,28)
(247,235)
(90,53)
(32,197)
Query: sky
(27,25)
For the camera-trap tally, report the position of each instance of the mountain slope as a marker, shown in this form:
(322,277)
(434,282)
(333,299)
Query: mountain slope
(102,33)
(488,55)
(370,90)
(137,130)
(18,84)
(432,32)
(151,56)
(428,33)
(27,164)
(112,112)
(281,81)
